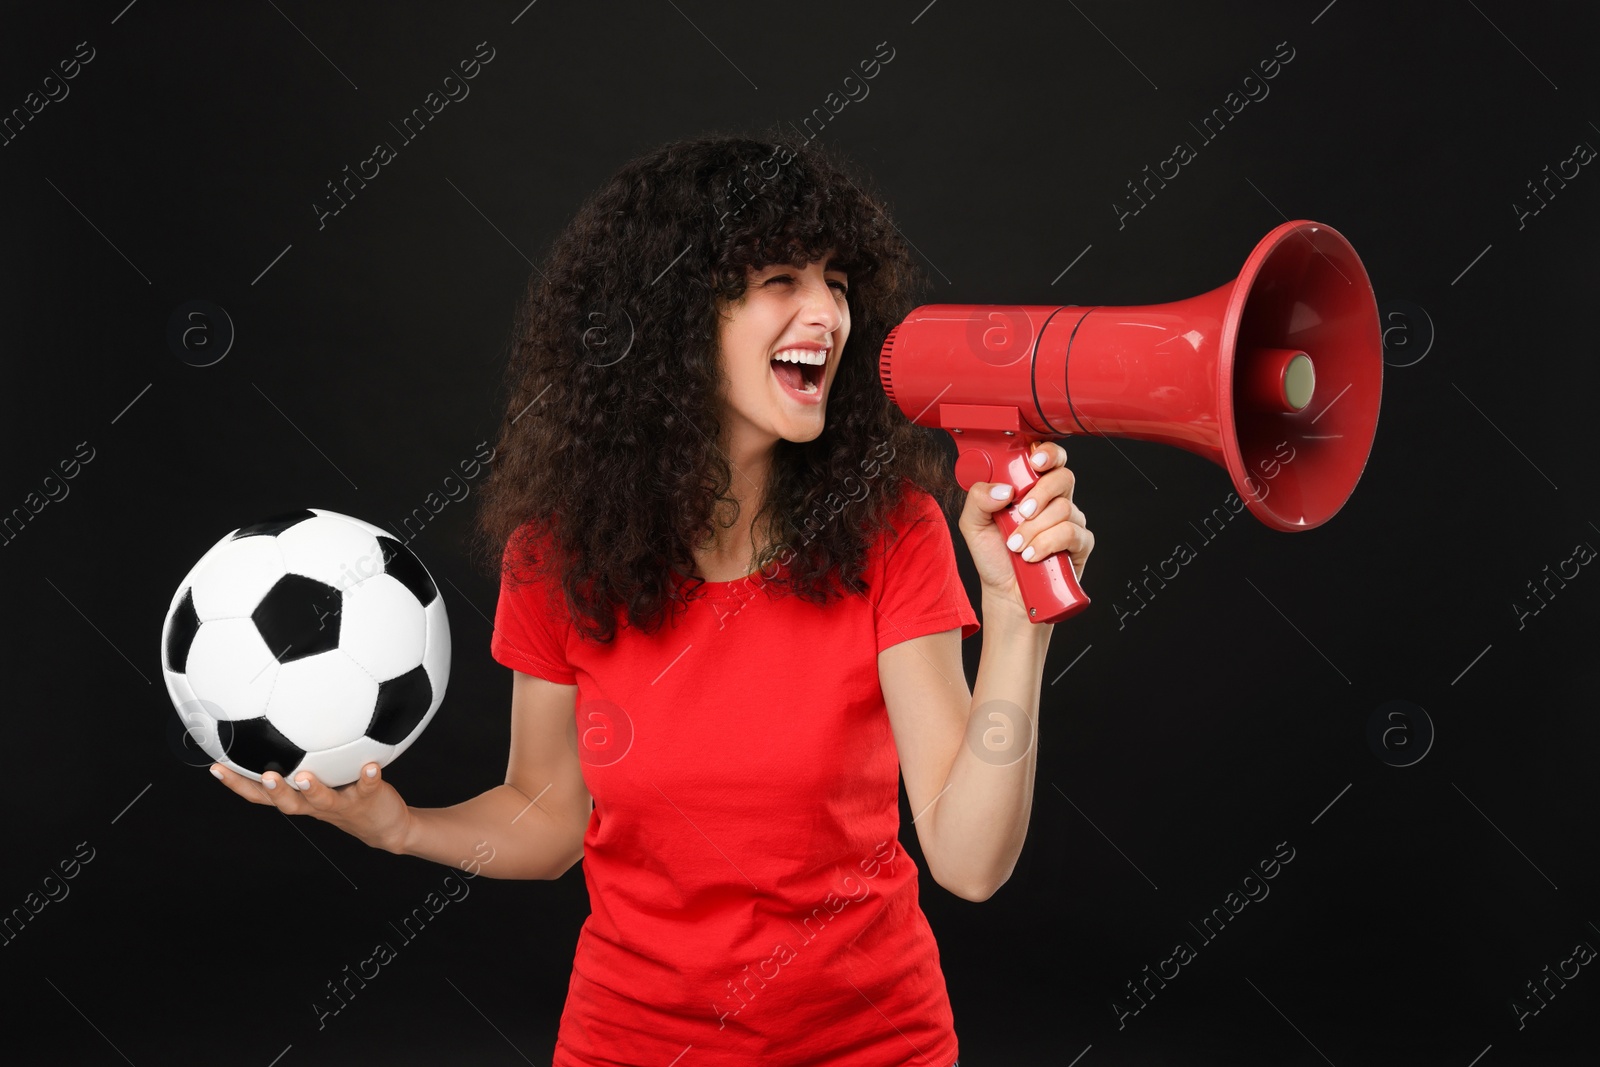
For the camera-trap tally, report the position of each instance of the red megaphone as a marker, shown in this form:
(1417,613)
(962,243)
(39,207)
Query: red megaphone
(1289,351)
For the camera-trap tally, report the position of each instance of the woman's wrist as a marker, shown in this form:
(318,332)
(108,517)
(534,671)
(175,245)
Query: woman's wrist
(1002,612)
(403,840)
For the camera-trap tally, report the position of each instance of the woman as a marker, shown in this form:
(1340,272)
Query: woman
(730,602)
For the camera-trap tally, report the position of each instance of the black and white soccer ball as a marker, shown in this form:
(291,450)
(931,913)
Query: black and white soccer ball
(307,641)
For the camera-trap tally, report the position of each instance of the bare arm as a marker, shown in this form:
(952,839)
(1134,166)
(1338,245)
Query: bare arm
(534,822)
(969,758)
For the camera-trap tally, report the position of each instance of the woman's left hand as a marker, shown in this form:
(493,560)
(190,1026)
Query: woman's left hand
(1057,524)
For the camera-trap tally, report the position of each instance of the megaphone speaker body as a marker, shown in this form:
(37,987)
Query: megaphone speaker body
(1290,351)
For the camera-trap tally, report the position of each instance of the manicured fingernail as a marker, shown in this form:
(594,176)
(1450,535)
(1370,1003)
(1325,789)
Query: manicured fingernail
(1041,458)
(1000,492)
(216,772)
(303,782)
(1027,553)
(270,783)
(1014,542)
(372,770)
(1028,508)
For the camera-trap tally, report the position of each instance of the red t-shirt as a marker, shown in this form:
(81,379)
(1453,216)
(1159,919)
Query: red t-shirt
(749,897)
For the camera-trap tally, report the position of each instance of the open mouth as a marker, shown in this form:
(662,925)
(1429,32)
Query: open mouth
(801,378)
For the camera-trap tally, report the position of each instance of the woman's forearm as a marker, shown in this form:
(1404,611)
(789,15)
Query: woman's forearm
(529,840)
(982,819)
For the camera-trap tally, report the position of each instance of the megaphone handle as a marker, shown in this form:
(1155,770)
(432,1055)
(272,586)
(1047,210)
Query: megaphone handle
(1049,587)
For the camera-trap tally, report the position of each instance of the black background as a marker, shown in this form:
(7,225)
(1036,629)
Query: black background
(1228,716)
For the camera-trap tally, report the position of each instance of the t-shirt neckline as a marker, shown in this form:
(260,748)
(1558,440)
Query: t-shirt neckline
(686,580)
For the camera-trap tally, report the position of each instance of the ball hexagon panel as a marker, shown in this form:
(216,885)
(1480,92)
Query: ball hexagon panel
(331,550)
(236,577)
(178,689)
(193,727)
(436,657)
(188,582)
(182,620)
(375,531)
(231,668)
(343,764)
(384,628)
(322,701)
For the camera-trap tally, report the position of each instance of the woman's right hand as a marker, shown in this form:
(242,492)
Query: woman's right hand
(369,809)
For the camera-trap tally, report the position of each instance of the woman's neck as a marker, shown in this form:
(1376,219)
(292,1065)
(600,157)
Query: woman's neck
(730,552)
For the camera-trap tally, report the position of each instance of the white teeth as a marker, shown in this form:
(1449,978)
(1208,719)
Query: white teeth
(802,355)
(807,357)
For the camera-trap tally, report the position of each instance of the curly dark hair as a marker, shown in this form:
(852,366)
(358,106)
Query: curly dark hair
(611,440)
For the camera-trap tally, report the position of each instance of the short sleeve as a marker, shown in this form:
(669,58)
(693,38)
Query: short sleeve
(920,590)
(529,633)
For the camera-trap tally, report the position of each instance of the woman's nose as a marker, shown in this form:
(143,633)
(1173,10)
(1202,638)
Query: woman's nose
(822,306)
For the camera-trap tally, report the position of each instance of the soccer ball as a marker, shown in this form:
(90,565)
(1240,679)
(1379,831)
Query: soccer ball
(307,641)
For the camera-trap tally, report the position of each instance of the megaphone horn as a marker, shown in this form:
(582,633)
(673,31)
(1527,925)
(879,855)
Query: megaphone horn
(1290,351)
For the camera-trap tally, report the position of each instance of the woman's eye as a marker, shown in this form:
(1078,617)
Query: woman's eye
(841,286)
